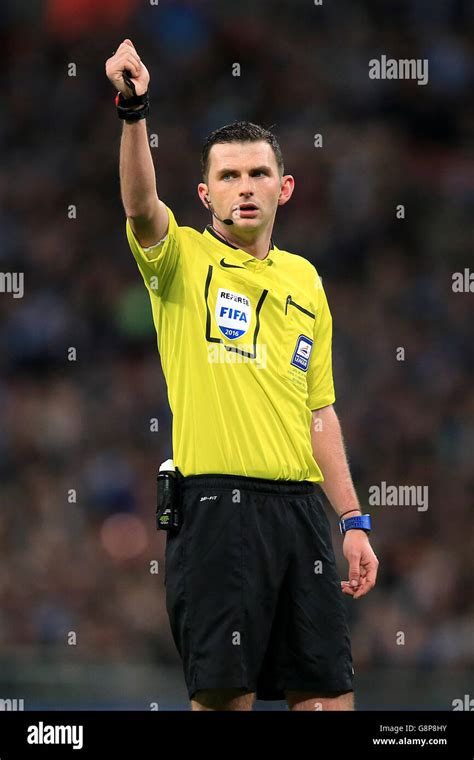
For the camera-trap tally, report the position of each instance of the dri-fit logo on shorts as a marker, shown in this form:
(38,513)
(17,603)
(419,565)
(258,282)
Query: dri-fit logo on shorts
(233,313)
(302,353)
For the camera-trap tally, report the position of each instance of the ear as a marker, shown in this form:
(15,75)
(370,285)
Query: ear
(203,192)
(286,191)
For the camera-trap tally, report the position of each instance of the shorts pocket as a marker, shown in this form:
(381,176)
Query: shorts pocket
(170,537)
(174,539)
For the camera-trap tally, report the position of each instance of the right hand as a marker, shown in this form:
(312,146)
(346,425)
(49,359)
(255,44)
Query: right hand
(126,57)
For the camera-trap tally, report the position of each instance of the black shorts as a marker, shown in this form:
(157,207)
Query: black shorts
(252,591)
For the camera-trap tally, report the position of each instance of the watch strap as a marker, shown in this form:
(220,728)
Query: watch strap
(362,522)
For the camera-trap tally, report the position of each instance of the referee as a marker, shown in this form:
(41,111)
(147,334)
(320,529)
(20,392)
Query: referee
(244,334)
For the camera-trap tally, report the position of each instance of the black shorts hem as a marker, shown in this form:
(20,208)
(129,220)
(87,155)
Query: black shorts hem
(277,695)
(274,694)
(192,690)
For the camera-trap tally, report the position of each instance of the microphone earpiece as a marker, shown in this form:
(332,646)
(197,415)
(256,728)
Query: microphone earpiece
(225,221)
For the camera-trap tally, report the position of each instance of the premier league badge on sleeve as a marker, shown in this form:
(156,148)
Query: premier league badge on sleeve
(302,353)
(233,312)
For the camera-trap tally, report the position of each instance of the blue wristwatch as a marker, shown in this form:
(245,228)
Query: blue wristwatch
(358,521)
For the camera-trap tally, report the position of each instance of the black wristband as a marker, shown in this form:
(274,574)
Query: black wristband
(126,107)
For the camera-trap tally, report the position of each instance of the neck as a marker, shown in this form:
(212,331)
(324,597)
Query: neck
(258,247)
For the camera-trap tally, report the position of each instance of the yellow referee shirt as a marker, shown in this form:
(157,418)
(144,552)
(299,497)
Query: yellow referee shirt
(245,347)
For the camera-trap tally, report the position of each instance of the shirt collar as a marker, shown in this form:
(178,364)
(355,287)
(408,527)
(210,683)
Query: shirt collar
(238,254)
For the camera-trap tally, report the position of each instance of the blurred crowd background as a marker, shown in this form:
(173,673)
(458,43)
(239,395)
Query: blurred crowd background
(78,448)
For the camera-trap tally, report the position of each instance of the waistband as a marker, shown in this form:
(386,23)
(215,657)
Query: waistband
(259,485)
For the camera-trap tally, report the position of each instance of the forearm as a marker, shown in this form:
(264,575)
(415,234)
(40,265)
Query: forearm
(137,172)
(330,455)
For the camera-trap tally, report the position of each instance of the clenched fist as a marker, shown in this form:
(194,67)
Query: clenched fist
(126,58)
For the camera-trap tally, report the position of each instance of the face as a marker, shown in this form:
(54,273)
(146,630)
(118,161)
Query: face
(244,184)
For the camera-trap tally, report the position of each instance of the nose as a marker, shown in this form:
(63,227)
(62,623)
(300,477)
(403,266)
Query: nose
(246,189)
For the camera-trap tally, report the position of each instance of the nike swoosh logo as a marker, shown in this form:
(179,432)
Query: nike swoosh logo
(230,266)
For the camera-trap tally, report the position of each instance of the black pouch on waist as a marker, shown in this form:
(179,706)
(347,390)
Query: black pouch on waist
(168,511)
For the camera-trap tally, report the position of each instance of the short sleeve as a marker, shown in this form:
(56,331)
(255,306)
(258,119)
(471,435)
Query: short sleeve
(159,261)
(320,378)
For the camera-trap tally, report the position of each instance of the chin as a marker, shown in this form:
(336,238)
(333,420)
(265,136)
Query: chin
(246,222)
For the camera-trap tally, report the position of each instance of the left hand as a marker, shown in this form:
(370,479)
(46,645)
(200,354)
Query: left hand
(363,564)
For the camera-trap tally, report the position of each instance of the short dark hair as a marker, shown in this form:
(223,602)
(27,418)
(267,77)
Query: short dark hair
(239,131)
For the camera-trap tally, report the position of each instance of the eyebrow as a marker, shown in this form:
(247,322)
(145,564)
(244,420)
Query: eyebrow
(262,168)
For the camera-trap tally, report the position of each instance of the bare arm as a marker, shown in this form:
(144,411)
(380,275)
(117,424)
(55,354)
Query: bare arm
(147,213)
(329,453)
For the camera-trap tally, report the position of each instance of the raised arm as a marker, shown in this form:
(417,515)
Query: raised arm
(147,214)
